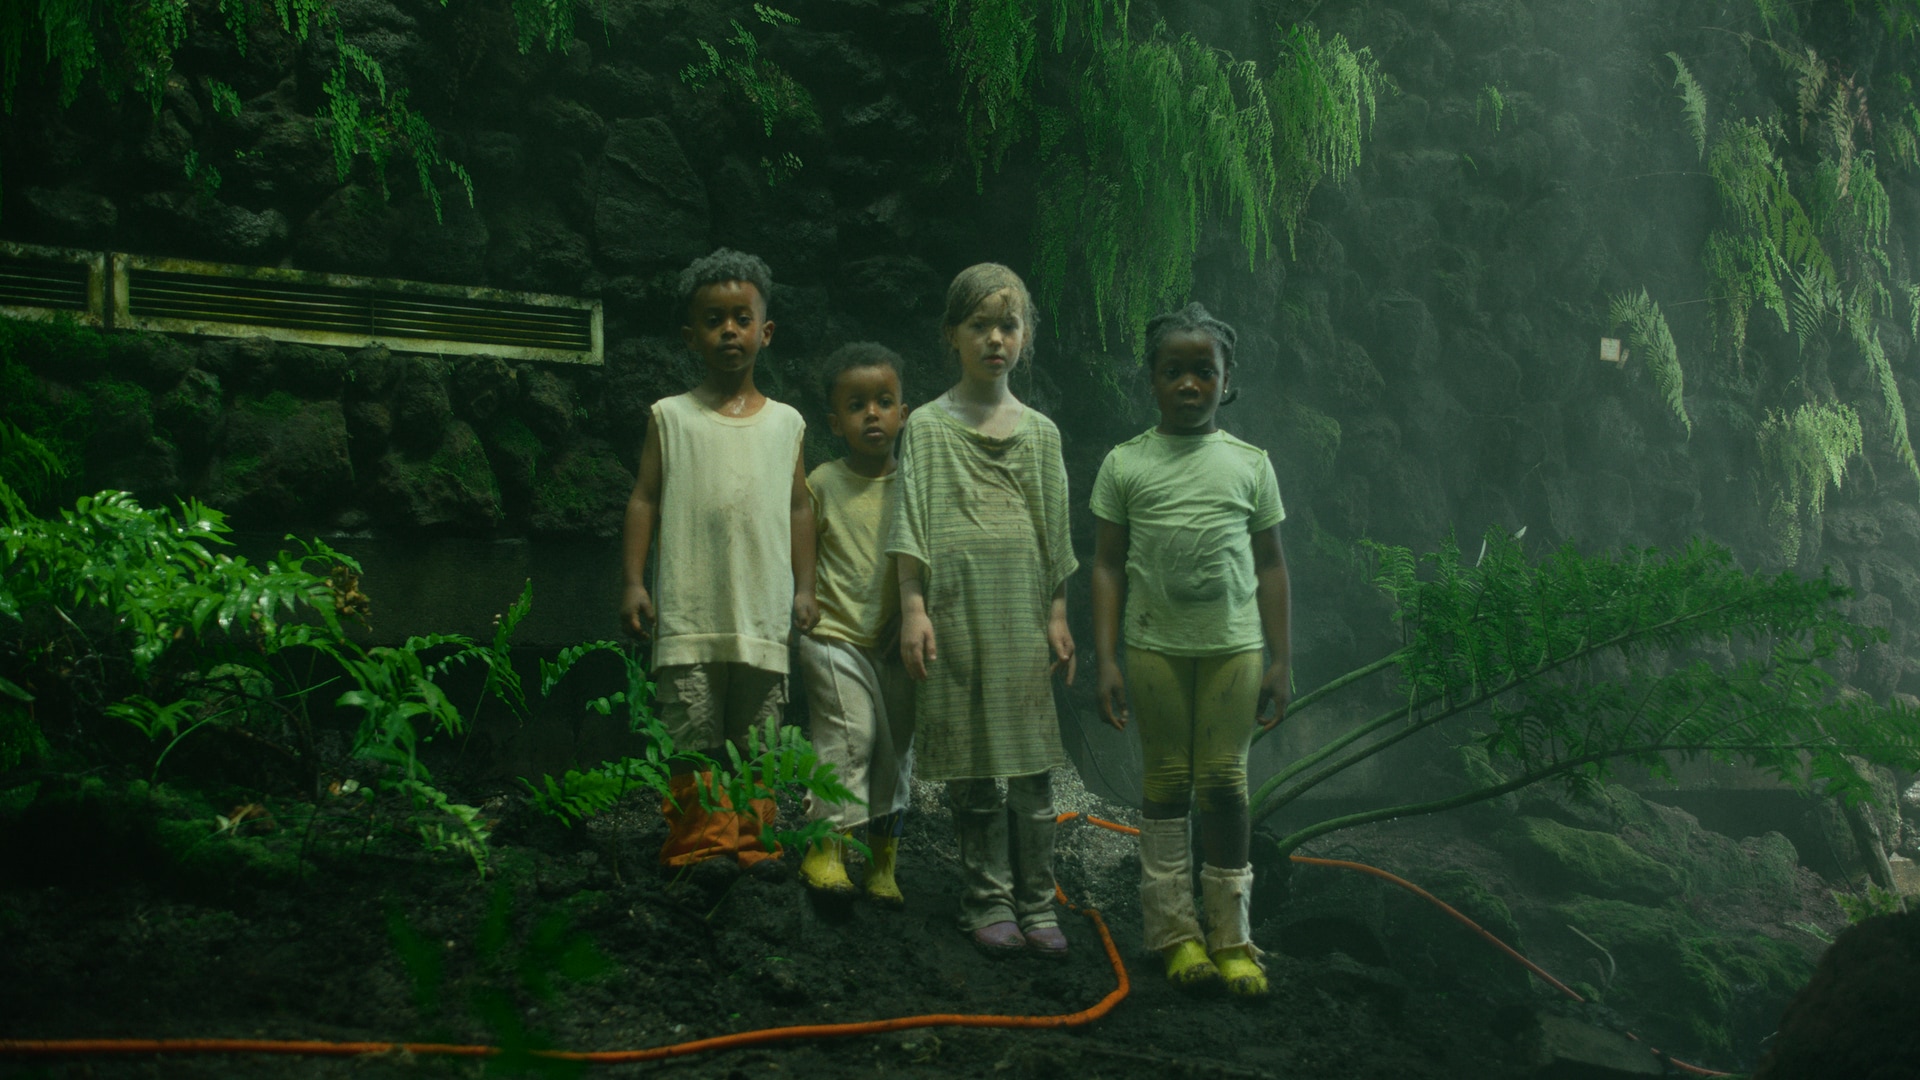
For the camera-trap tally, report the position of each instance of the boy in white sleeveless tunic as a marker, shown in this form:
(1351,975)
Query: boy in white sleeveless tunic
(721,477)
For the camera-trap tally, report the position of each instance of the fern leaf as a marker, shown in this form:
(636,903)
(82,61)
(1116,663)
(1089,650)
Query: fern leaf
(1647,331)
(1693,103)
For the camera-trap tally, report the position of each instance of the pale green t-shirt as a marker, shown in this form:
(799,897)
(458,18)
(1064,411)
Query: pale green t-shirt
(1191,504)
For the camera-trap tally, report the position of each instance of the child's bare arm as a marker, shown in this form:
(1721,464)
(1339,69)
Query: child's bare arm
(916,628)
(806,610)
(1274,595)
(643,513)
(1109,594)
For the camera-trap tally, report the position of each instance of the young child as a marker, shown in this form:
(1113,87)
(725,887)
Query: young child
(1188,521)
(983,554)
(721,477)
(859,696)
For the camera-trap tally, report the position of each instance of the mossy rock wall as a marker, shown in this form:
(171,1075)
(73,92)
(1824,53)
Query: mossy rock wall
(1423,362)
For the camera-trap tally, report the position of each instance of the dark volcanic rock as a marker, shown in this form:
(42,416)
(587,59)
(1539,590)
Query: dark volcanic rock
(649,205)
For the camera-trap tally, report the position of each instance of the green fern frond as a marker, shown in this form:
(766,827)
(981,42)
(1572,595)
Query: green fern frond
(1693,103)
(1774,12)
(1806,451)
(1866,338)
(1647,331)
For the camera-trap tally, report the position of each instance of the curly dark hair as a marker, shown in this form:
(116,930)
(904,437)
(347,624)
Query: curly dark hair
(726,264)
(1194,318)
(857,354)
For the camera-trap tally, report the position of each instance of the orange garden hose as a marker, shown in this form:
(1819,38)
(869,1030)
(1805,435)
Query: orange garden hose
(742,1039)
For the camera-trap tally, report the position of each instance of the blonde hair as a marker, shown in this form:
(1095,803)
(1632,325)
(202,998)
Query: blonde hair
(974,285)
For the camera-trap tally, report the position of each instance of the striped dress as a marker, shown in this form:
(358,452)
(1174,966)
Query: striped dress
(988,517)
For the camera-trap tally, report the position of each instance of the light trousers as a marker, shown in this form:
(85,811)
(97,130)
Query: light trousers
(861,709)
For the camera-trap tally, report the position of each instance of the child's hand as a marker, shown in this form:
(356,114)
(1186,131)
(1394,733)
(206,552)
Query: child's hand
(1112,693)
(1061,639)
(806,612)
(916,643)
(636,611)
(1275,689)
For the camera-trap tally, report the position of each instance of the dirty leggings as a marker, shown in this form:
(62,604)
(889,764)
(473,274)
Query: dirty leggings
(1006,850)
(1196,716)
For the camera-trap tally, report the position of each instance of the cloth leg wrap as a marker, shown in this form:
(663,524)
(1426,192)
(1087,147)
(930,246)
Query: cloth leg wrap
(980,824)
(1226,895)
(1030,813)
(1166,883)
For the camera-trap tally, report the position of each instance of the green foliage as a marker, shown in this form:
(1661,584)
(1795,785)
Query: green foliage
(1693,103)
(1875,901)
(59,424)
(1323,96)
(1570,664)
(1111,214)
(774,759)
(991,45)
(1806,450)
(27,469)
(1647,331)
(137,615)
(1116,227)
(378,123)
(764,85)
(1490,107)
(121,45)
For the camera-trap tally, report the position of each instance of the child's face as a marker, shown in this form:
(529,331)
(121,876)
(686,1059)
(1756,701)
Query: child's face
(1189,378)
(727,326)
(990,340)
(867,411)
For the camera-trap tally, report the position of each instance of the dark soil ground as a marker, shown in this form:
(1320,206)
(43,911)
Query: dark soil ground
(100,943)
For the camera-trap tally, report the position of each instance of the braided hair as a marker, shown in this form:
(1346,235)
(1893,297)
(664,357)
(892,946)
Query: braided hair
(1192,319)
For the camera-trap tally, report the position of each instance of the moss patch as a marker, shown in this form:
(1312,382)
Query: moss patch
(1584,861)
(1698,989)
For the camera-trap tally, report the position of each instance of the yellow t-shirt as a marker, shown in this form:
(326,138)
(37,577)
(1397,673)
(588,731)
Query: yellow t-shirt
(854,580)
(1191,504)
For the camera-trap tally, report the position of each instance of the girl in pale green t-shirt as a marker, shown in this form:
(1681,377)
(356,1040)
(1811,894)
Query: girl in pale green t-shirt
(1189,537)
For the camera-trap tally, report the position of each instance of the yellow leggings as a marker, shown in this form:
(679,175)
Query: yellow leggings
(1196,717)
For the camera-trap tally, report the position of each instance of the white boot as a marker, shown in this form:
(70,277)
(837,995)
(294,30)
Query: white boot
(1166,883)
(1226,895)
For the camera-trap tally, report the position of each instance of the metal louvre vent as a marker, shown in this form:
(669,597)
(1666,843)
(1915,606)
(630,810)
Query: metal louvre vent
(203,298)
(49,283)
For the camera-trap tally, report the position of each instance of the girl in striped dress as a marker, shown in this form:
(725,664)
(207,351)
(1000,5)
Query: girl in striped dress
(983,553)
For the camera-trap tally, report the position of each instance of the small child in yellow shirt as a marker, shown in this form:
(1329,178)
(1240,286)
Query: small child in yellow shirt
(858,692)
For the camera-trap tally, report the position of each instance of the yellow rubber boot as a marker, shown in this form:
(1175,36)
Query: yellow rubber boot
(881,886)
(1188,965)
(1242,973)
(824,870)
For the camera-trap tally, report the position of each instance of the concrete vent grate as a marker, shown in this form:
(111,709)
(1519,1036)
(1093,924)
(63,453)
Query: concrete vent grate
(49,283)
(177,296)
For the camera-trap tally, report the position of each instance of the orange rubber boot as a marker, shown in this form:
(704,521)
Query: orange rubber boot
(765,814)
(694,834)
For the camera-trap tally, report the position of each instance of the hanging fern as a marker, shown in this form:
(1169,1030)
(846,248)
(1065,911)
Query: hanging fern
(121,45)
(1767,240)
(1693,103)
(1647,331)
(1806,451)
(1112,213)
(992,43)
(1323,95)
(1866,338)
(1157,138)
